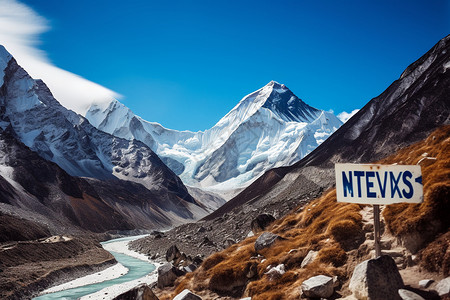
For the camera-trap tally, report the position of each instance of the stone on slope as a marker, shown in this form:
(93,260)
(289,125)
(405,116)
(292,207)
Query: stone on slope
(376,279)
(187,295)
(425,283)
(261,222)
(141,292)
(320,286)
(167,274)
(310,257)
(266,240)
(276,272)
(443,287)
(172,253)
(409,295)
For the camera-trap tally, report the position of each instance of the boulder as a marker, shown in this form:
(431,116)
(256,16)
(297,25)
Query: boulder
(266,240)
(320,286)
(409,295)
(172,253)
(187,295)
(443,287)
(376,279)
(167,274)
(141,292)
(261,222)
(310,257)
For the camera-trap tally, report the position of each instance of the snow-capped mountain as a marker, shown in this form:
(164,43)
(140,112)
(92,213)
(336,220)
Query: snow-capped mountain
(268,128)
(410,109)
(34,117)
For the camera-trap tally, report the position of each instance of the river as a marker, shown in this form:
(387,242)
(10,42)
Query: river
(137,269)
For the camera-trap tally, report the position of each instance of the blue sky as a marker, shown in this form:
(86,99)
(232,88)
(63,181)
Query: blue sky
(185,64)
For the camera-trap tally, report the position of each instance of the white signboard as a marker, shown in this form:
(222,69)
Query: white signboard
(378,184)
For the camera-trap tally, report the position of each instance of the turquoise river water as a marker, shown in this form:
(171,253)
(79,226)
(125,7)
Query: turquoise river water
(136,269)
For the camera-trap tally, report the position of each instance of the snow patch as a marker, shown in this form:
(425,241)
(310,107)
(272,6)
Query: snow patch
(110,273)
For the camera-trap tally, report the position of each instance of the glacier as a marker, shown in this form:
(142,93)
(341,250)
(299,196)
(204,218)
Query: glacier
(268,128)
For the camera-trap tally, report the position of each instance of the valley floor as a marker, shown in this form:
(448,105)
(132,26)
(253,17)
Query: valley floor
(31,266)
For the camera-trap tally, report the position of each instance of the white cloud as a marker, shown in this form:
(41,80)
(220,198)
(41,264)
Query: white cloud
(20,27)
(344,116)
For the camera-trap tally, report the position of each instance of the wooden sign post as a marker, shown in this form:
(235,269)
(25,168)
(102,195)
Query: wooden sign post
(378,185)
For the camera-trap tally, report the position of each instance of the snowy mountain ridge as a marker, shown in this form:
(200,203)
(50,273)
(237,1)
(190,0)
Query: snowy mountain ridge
(268,128)
(30,112)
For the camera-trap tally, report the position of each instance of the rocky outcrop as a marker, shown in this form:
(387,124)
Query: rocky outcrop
(141,292)
(320,286)
(376,279)
(173,253)
(167,274)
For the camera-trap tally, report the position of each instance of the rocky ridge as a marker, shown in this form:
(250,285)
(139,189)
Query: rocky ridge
(340,235)
(30,114)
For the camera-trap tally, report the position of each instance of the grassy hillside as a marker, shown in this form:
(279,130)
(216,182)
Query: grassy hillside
(337,232)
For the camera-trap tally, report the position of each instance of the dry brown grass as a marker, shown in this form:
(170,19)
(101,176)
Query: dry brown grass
(320,226)
(432,215)
(436,256)
(331,228)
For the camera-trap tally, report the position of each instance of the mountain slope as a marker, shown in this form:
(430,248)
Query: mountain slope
(268,128)
(32,116)
(340,236)
(408,110)
(39,191)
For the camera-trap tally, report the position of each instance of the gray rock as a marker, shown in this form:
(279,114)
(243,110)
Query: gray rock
(310,257)
(141,292)
(172,253)
(197,260)
(409,295)
(190,268)
(187,295)
(228,243)
(261,222)
(318,287)
(376,279)
(276,272)
(425,283)
(443,287)
(266,240)
(207,242)
(167,274)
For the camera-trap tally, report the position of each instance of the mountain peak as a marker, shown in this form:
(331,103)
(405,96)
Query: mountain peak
(277,87)
(282,102)
(5,57)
